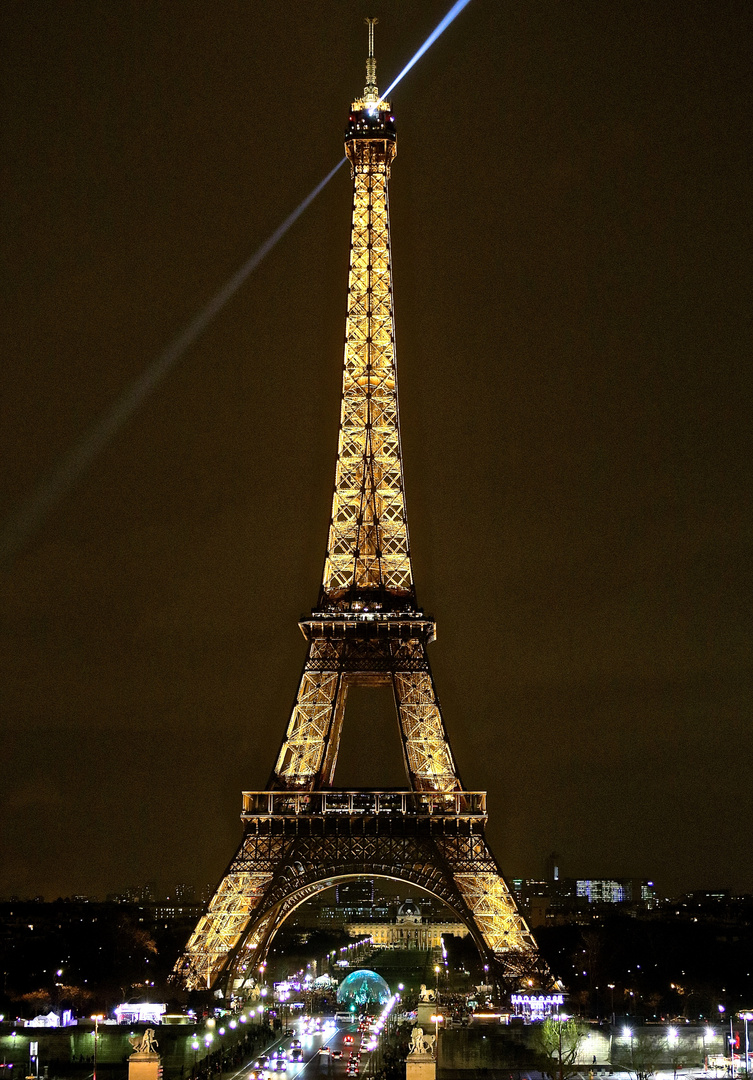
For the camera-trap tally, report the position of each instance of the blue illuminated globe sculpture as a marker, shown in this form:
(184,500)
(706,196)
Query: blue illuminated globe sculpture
(363,988)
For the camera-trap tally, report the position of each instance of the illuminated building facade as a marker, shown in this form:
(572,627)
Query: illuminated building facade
(564,896)
(302,834)
(408,930)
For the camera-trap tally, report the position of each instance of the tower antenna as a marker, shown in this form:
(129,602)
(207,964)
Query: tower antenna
(370,92)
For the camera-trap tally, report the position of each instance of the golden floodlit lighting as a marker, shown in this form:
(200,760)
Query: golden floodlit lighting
(367,628)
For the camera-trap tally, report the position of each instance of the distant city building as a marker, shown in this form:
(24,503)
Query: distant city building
(359,892)
(353,900)
(601,891)
(134,894)
(167,911)
(560,897)
(552,867)
(702,897)
(617,891)
(408,930)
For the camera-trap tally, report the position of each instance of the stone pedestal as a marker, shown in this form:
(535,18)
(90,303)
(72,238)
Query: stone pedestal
(420,1067)
(143,1066)
(424,1012)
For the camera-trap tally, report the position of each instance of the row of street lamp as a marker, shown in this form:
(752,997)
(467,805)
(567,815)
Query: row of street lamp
(672,1036)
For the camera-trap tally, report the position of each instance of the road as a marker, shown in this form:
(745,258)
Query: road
(315,1065)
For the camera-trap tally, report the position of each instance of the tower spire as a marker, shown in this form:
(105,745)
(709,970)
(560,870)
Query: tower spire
(371,93)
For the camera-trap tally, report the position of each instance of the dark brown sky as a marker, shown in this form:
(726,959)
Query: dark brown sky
(572,258)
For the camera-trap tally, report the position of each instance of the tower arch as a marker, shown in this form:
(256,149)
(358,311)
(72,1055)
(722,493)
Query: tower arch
(253,947)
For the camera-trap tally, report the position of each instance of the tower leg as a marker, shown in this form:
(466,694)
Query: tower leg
(428,756)
(309,750)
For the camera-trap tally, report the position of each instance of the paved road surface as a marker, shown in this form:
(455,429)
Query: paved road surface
(316,1066)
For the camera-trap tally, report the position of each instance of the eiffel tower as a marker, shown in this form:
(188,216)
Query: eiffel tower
(302,834)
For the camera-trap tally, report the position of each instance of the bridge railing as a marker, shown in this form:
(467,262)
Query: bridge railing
(414,804)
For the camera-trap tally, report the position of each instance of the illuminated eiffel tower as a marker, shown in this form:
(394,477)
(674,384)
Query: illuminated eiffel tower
(303,835)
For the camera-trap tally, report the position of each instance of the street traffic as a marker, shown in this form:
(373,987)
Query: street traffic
(319,1047)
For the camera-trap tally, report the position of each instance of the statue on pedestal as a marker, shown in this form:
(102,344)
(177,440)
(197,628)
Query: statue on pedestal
(144,1044)
(421,1043)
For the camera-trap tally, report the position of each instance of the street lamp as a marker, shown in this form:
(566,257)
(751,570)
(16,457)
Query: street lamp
(195,1047)
(436,982)
(96,1018)
(731,1042)
(710,1033)
(627,1033)
(611,987)
(672,1039)
(438,1019)
(746,1016)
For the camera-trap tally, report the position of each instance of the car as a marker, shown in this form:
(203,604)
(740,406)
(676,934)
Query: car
(348,1040)
(324,1050)
(336,1053)
(281,1065)
(289,1031)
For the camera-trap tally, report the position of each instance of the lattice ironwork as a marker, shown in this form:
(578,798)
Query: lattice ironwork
(301,835)
(281,864)
(367,549)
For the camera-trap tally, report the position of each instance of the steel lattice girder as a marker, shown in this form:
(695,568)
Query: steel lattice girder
(314,728)
(368,538)
(272,874)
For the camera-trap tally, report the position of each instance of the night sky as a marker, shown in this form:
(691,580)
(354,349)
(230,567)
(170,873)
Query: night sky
(572,267)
